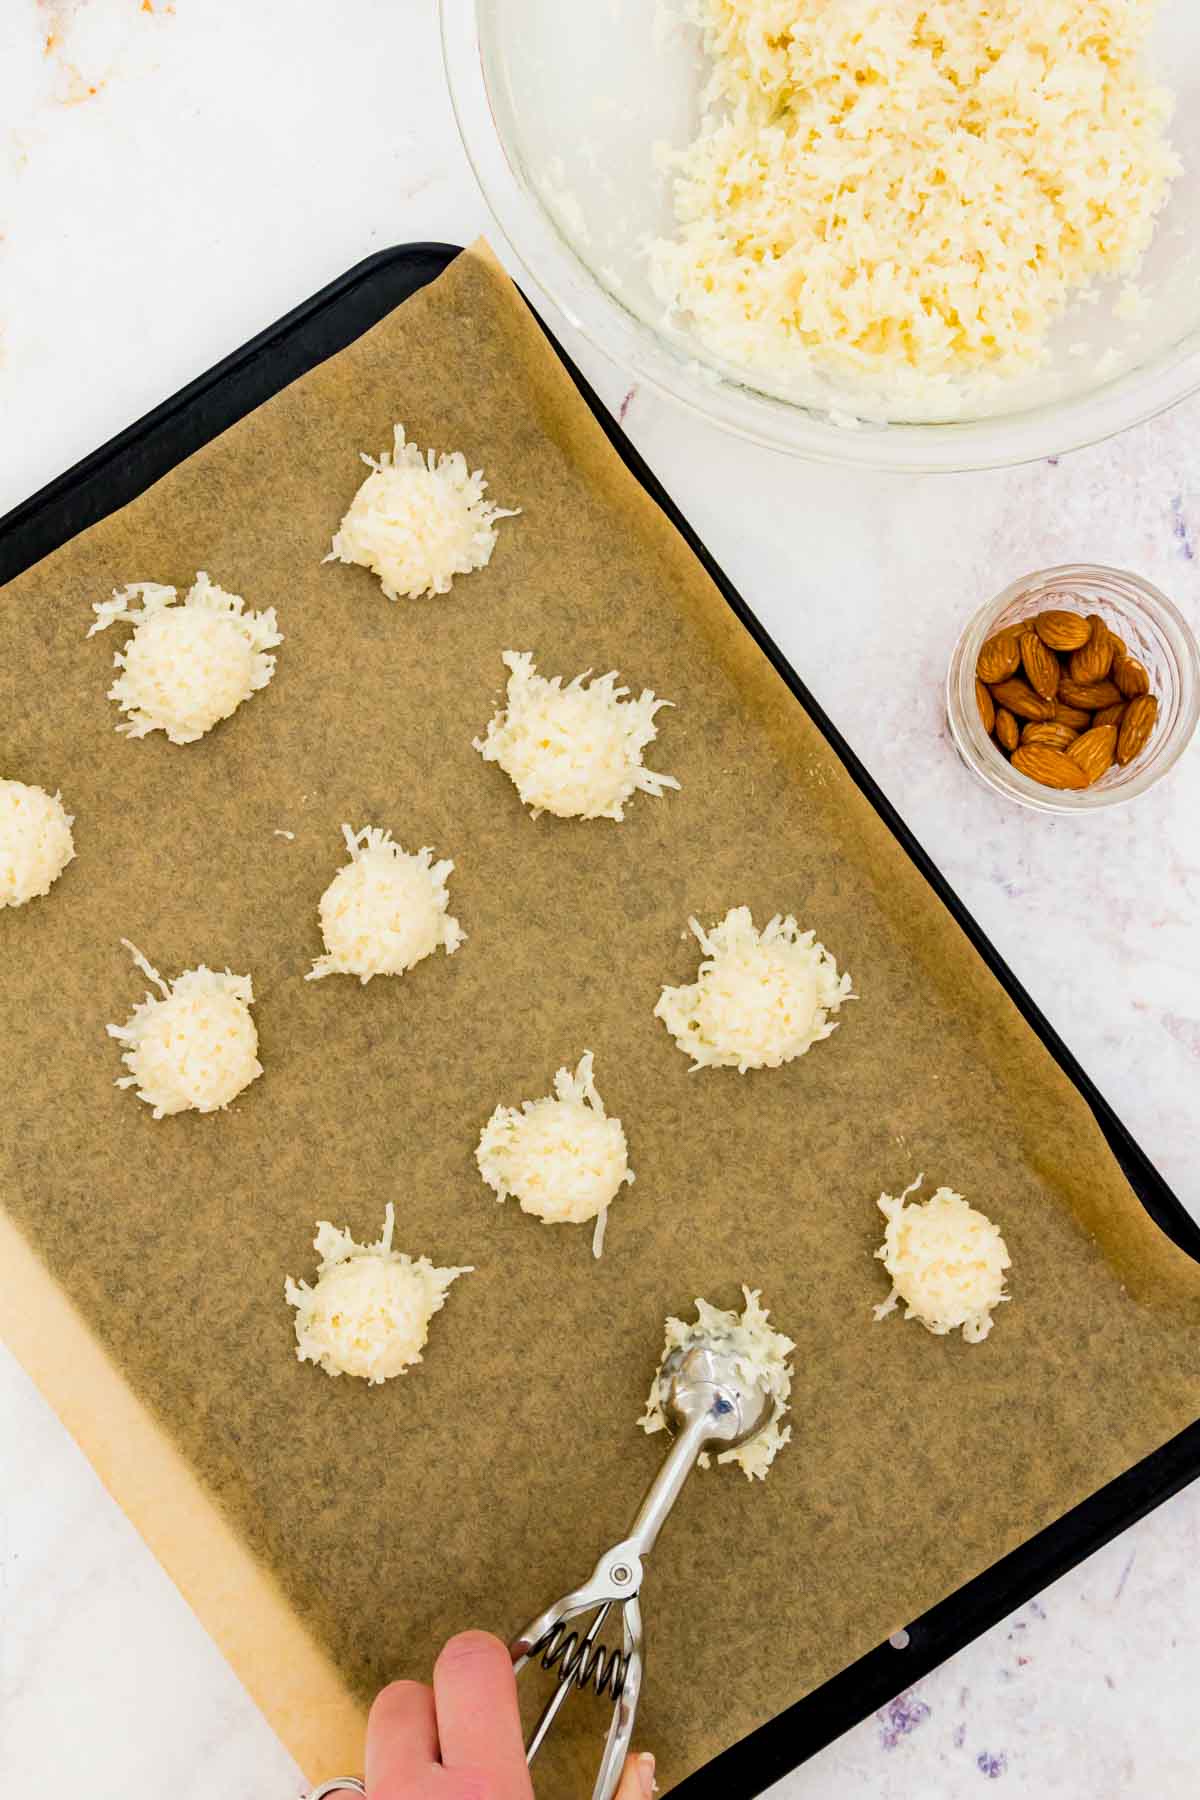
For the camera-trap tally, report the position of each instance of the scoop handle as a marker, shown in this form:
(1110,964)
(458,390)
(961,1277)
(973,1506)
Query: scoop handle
(665,1489)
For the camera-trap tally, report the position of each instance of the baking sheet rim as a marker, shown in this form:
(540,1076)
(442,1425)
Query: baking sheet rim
(56,1371)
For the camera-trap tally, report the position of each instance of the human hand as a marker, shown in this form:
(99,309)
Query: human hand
(461,1739)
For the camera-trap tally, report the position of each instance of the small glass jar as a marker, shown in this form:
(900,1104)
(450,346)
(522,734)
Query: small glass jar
(1153,630)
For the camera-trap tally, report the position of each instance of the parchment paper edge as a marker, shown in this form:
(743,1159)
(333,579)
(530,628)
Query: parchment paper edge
(292,1681)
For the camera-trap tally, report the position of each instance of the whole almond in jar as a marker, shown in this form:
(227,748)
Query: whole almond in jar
(999,658)
(1020,698)
(1060,630)
(1008,732)
(1053,768)
(1041,666)
(1131,676)
(1049,731)
(1095,751)
(1136,726)
(1093,659)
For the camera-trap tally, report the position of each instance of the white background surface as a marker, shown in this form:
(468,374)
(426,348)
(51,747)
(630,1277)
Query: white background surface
(233,158)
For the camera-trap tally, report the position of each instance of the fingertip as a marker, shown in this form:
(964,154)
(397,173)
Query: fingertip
(401,1733)
(479,1721)
(397,1697)
(637,1777)
(473,1646)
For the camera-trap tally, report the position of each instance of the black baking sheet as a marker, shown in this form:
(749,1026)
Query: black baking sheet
(130,463)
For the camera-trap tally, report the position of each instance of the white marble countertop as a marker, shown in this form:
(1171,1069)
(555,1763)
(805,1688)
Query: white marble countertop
(173,178)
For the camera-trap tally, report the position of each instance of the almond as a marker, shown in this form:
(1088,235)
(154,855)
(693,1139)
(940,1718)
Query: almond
(1131,676)
(1053,768)
(1041,665)
(1136,727)
(1118,643)
(1074,716)
(1008,732)
(999,657)
(1094,659)
(1089,696)
(1110,715)
(1020,698)
(1062,630)
(1095,750)
(986,705)
(1051,732)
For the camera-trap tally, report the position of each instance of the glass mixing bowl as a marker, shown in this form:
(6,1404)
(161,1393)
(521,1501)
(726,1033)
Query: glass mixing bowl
(561,114)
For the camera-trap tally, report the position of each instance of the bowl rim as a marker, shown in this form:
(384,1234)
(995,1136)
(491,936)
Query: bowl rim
(704,390)
(973,744)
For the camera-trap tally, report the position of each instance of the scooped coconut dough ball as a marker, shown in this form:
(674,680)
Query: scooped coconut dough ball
(574,751)
(35,842)
(762,1354)
(369,1310)
(385,911)
(946,1261)
(761,998)
(194,1047)
(562,1157)
(189,663)
(418,520)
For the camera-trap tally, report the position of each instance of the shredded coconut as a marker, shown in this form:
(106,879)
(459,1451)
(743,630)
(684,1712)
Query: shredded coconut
(196,1047)
(574,751)
(369,1311)
(418,520)
(562,1157)
(385,910)
(761,998)
(35,842)
(881,185)
(761,1354)
(946,1261)
(188,665)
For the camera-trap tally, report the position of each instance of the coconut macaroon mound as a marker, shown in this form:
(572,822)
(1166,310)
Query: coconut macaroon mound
(760,999)
(35,842)
(369,1310)
(193,1046)
(418,520)
(761,1354)
(946,1261)
(190,663)
(575,751)
(562,1157)
(384,911)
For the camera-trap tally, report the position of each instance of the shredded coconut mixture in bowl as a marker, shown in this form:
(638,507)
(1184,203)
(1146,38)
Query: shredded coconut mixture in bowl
(35,842)
(418,520)
(562,1157)
(190,663)
(910,234)
(369,1311)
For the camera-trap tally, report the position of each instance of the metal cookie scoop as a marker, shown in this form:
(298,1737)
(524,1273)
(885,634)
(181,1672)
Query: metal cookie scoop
(708,1405)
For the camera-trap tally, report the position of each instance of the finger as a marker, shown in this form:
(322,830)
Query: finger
(402,1738)
(478,1723)
(637,1779)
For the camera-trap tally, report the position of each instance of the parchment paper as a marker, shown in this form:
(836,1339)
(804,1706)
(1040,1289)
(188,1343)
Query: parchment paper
(371,1523)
